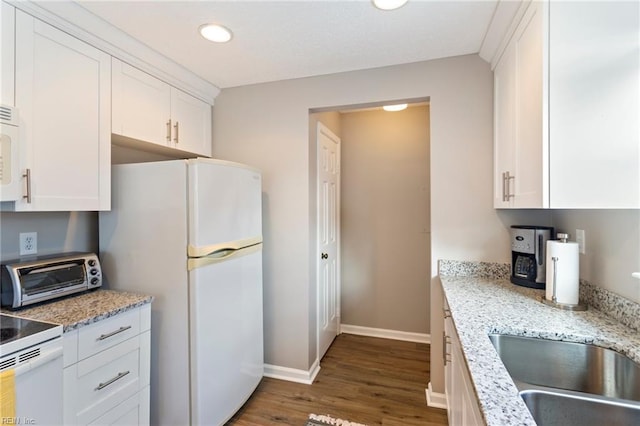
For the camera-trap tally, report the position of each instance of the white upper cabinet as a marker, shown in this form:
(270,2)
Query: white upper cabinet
(140,104)
(567,108)
(150,114)
(594,95)
(519,142)
(191,123)
(62,92)
(7,50)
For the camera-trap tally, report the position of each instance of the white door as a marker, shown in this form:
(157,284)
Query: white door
(328,237)
(141,105)
(225,206)
(63,95)
(191,121)
(225,335)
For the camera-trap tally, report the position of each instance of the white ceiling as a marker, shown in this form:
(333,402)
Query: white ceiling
(278,40)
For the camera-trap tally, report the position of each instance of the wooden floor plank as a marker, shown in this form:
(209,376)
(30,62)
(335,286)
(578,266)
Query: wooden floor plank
(378,382)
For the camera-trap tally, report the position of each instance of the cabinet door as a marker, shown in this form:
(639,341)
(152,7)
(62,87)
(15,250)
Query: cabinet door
(7,46)
(141,105)
(504,126)
(63,97)
(191,123)
(531,175)
(448,368)
(595,104)
(520,141)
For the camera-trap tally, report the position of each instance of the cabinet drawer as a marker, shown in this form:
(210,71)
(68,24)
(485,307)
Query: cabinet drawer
(124,414)
(104,381)
(107,333)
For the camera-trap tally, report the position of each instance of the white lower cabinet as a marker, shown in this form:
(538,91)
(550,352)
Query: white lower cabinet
(462,403)
(107,370)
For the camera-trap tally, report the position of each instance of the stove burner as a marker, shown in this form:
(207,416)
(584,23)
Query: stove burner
(7,333)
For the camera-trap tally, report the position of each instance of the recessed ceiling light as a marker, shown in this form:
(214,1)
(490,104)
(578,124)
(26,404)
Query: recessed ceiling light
(389,4)
(398,107)
(215,32)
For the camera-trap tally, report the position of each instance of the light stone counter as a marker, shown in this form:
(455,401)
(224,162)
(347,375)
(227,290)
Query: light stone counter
(77,311)
(491,304)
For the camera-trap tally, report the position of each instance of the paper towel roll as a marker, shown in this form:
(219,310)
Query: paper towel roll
(567,269)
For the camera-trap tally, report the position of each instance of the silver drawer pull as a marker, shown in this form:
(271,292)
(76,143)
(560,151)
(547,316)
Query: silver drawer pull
(113,333)
(115,379)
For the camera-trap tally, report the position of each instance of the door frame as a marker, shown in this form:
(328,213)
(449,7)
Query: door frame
(323,129)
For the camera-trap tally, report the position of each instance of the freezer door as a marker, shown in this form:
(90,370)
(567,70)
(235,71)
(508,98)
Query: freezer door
(226,337)
(225,206)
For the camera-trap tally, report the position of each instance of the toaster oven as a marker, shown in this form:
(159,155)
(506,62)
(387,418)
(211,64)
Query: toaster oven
(25,282)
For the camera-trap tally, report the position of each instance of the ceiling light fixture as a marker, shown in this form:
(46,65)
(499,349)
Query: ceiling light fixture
(215,32)
(397,107)
(389,4)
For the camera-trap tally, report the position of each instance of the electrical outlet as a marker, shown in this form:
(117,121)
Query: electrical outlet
(28,243)
(581,240)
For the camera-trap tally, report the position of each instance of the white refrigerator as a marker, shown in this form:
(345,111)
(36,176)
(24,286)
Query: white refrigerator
(189,233)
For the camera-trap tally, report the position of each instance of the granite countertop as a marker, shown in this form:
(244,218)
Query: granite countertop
(481,306)
(76,311)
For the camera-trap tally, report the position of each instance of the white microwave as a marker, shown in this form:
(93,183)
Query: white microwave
(10,176)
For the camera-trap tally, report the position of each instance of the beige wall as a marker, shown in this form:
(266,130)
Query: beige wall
(58,232)
(612,247)
(267,125)
(385,219)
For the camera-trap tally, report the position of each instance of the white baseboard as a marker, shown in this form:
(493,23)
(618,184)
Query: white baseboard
(385,334)
(292,374)
(434,399)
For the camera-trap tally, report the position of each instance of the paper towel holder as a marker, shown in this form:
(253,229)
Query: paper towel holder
(554,302)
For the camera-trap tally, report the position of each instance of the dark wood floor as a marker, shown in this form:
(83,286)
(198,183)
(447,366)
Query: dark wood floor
(362,379)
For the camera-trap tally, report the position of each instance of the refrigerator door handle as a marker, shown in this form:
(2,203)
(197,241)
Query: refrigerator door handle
(221,256)
(203,251)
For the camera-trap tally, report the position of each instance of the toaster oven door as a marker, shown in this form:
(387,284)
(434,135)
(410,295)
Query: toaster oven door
(54,280)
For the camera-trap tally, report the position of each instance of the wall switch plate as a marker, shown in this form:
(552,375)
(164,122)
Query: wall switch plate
(28,243)
(580,239)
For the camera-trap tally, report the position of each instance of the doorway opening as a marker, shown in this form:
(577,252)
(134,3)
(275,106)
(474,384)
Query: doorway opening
(383,259)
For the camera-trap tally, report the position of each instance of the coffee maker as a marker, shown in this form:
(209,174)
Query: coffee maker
(528,255)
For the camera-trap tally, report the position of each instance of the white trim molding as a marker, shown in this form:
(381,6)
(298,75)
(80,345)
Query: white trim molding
(385,334)
(292,374)
(434,399)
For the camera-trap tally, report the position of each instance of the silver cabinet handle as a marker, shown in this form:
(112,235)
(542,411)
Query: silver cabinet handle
(169,130)
(504,186)
(113,333)
(447,313)
(110,381)
(27,176)
(176,127)
(445,341)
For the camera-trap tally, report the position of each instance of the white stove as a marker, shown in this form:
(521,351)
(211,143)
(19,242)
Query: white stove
(31,367)
(20,333)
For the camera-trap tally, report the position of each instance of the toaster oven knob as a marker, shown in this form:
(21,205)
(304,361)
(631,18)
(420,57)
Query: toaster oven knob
(92,262)
(93,271)
(94,281)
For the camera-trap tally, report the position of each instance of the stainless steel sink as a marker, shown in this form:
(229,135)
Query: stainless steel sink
(552,408)
(573,366)
(564,383)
